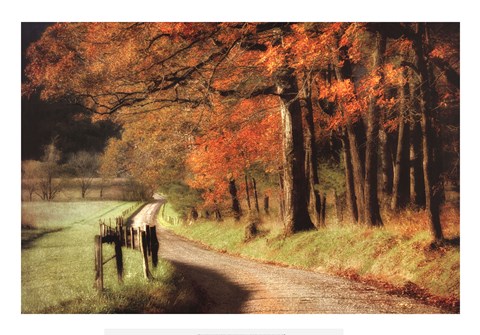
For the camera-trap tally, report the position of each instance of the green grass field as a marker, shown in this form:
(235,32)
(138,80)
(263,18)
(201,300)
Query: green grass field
(58,265)
(397,256)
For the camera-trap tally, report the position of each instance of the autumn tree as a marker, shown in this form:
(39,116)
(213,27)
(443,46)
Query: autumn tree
(85,167)
(200,93)
(433,74)
(433,186)
(247,139)
(49,183)
(30,175)
(155,78)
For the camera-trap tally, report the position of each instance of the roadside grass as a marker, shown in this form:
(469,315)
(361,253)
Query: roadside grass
(58,266)
(398,257)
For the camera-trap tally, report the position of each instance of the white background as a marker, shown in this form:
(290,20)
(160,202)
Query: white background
(13,13)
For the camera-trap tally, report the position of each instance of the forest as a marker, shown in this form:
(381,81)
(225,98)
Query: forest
(229,119)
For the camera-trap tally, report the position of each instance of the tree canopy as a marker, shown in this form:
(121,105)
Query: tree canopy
(208,103)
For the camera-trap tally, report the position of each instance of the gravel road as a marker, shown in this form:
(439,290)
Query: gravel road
(236,285)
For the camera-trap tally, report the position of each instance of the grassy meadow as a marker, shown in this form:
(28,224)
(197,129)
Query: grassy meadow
(397,257)
(58,265)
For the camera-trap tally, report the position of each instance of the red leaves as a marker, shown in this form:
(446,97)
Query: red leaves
(249,136)
(343,94)
(188,71)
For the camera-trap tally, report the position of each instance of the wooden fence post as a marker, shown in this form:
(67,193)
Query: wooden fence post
(126,236)
(148,245)
(132,238)
(146,271)
(120,231)
(119,258)
(154,245)
(98,263)
(139,238)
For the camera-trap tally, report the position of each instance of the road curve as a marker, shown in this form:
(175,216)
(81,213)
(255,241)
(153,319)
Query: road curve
(236,285)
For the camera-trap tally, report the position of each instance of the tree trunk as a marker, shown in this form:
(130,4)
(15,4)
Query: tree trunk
(257,208)
(194,214)
(216,210)
(311,165)
(338,206)
(357,172)
(297,217)
(399,157)
(386,165)
(349,186)
(432,186)
(266,204)
(281,197)
(342,73)
(417,186)
(50,191)
(247,191)
(232,188)
(324,209)
(84,191)
(372,210)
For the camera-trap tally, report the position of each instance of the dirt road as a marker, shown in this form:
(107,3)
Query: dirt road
(236,285)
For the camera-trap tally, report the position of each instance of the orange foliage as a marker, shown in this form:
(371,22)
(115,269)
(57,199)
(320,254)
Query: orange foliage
(179,78)
(250,137)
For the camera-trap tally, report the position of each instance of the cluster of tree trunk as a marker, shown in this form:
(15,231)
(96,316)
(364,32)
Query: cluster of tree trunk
(409,168)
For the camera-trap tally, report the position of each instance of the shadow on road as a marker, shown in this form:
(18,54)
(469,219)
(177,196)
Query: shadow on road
(223,295)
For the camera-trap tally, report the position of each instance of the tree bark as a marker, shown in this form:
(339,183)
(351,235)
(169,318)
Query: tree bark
(342,73)
(281,198)
(232,188)
(84,190)
(266,206)
(338,206)
(194,214)
(296,217)
(311,164)
(247,191)
(386,165)
(372,209)
(399,157)
(357,172)
(349,186)
(257,208)
(417,186)
(432,186)
(216,210)
(324,209)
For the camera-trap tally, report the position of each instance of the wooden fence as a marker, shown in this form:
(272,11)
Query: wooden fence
(120,232)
